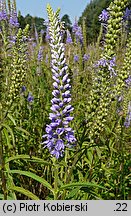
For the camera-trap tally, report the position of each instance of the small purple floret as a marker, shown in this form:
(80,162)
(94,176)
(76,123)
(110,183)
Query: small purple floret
(68,39)
(86,57)
(76,58)
(127,14)
(128,81)
(104,16)
(30,98)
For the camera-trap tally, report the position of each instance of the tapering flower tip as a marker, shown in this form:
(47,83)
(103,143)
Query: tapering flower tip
(30,98)
(86,57)
(13,21)
(46,59)
(76,58)
(68,39)
(127,14)
(3,11)
(78,32)
(75,27)
(40,54)
(59,135)
(104,16)
(127,122)
(47,34)
(79,35)
(3,15)
(36,35)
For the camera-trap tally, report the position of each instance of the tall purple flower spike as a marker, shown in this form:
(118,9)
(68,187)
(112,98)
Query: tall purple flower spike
(68,39)
(3,12)
(58,133)
(78,32)
(13,21)
(40,54)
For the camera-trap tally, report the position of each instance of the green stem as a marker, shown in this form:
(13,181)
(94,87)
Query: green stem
(121,149)
(66,174)
(55,180)
(3,167)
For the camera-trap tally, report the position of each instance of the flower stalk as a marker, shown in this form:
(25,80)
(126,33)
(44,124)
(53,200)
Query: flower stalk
(59,135)
(101,93)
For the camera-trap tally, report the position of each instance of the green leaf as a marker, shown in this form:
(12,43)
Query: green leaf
(11,118)
(9,181)
(8,197)
(112,195)
(11,132)
(6,135)
(32,159)
(22,130)
(73,193)
(81,184)
(90,156)
(34,176)
(25,192)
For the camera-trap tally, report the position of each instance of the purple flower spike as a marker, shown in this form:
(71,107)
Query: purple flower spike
(3,12)
(59,134)
(68,39)
(40,54)
(78,32)
(13,19)
(75,27)
(3,15)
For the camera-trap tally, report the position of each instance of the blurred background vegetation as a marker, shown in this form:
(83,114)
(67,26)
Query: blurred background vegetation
(89,15)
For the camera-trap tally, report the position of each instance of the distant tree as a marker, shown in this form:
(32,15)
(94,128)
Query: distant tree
(21,20)
(39,23)
(28,19)
(67,21)
(34,23)
(91,14)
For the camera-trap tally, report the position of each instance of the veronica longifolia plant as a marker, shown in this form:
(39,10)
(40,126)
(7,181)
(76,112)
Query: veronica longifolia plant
(59,134)
(19,63)
(101,94)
